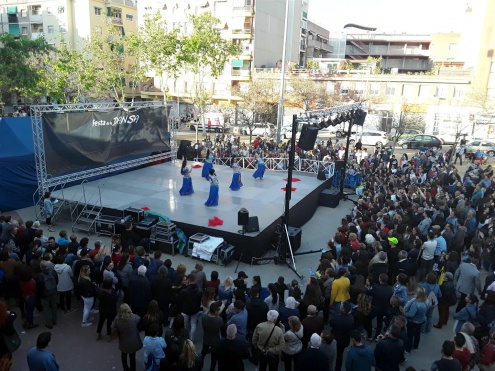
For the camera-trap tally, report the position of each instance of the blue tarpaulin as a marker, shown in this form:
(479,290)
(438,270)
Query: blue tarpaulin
(17,168)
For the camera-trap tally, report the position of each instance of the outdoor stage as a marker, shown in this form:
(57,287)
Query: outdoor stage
(157,187)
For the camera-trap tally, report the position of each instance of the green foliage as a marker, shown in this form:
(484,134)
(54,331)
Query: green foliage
(69,77)
(20,72)
(112,54)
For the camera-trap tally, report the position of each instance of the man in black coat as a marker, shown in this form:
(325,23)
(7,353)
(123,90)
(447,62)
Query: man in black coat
(389,352)
(139,292)
(342,325)
(313,358)
(231,352)
(312,324)
(381,294)
(189,301)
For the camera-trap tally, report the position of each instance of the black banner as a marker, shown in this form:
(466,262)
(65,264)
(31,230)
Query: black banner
(82,140)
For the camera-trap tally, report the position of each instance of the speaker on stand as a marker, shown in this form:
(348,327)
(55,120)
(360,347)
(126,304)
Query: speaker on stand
(243,219)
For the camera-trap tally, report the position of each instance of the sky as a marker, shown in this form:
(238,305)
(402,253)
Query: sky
(390,16)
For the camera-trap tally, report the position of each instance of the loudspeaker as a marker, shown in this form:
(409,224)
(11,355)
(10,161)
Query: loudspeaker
(339,165)
(182,150)
(295,237)
(359,120)
(254,225)
(329,198)
(243,217)
(308,137)
(321,175)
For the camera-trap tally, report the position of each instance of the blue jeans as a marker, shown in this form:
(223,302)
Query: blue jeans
(29,305)
(426,325)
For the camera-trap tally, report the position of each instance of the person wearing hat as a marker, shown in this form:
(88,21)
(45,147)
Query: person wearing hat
(447,300)
(393,259)
(240,282)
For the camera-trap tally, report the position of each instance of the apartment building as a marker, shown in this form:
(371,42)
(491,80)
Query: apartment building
(256,25)
(317,43)
(74,19)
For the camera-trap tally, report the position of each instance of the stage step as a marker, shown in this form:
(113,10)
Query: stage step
(86,220)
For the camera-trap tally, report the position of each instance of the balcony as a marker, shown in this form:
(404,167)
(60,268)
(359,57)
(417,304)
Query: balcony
(246,55)
(243,10)
(317,44)
(115,20)
(240,75)
(242,34)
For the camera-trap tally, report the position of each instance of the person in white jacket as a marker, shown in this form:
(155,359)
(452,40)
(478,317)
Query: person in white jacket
(293,342)
(65,284)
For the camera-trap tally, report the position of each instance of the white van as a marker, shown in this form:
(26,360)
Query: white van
(213,122)
(259,129)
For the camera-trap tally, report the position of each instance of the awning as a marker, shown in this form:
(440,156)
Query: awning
(237,63)
(11,10)
(14,29)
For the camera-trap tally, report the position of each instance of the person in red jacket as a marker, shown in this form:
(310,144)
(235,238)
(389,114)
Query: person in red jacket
(487,357)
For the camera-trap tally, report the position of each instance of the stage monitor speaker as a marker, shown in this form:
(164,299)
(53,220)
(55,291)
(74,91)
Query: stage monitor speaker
(182,150)
(321,175)
(329,198)
(359,120)
(308,137)
(254,225)
(243,217)
(339,165)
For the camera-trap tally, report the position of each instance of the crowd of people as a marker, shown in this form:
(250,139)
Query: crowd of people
(414,243)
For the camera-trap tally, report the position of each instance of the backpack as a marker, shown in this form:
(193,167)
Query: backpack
(433,299)
(49,283)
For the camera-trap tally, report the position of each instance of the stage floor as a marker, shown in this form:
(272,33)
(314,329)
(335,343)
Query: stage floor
(157,187)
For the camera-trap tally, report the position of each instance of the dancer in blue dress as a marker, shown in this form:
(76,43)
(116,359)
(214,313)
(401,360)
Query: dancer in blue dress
(187,187)
(208,165)
(236,178)
(213,197)
(260,171)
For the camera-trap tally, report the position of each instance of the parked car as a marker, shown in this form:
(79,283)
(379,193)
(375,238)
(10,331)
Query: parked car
(286,132)
(428,141)
(259,128)
(484,146)
(408,133)
(374,138)
(210,126)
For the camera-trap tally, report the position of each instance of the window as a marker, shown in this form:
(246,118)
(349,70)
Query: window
(63,29)
(97,11)
(359,88)
(459,92)
(344,88)
(441,91)
(23,13)
(375,88)
(390,89)
(407,90)
(436,124)
(36,10)
(129,17)
(51,29)
(424,91)
(305,15)
(61,10)
(24,30)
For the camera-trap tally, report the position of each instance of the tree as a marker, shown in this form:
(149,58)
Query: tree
(257,103)
(307,94)
(20,72)
(205,53)
(408,118)
(161,50)
(115,62)
(69,77)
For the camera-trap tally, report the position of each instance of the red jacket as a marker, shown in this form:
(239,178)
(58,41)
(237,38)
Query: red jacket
(488,353)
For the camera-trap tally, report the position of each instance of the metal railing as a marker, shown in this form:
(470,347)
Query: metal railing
(279,164)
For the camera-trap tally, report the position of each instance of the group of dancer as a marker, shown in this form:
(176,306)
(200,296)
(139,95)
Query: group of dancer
(208,172)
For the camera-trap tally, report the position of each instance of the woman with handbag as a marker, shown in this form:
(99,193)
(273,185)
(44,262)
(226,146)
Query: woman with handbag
(293,343)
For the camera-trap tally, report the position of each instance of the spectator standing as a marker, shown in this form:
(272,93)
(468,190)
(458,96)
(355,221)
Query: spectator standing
(126,325)
(139,292)
(293,342)
(313,358)
(447,362)
(189,301)
(467,281)
(212,324)
(415,309)
(107,297)
(430,286)
(230,352)
(342,325)
(268,339)
(389,352)
(46,286)
(448,299)
(360,357)
(38,358)
(65,284)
